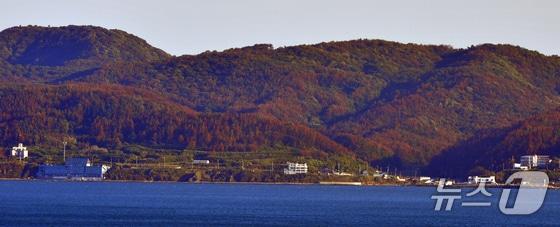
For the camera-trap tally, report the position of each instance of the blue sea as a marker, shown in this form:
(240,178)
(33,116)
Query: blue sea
(58,203)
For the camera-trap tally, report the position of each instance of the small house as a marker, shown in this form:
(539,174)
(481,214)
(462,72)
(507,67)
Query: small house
(20,151)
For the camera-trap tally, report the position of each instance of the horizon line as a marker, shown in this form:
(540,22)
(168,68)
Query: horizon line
(275,47)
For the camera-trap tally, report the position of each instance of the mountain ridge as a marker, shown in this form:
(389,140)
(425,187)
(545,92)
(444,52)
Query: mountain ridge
(386,102)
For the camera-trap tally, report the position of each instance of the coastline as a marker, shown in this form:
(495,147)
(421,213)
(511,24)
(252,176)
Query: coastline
(349,184)
(205,182)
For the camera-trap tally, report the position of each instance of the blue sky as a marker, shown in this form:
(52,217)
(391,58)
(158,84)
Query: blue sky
(191,27)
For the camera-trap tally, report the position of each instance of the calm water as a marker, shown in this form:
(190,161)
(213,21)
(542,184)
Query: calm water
(164,204)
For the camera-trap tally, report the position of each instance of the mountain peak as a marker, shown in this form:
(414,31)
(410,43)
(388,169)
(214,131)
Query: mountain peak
(56,46)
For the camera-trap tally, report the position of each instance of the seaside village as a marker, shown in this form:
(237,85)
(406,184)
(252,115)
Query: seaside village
(82,169)
(76,168)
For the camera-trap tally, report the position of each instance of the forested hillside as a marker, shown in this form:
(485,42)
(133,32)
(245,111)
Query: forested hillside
(112,115)
(386,102)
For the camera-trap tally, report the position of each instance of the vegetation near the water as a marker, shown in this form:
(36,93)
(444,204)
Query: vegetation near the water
(144,164)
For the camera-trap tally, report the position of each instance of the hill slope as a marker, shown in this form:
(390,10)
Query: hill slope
(389,103)
(112,115)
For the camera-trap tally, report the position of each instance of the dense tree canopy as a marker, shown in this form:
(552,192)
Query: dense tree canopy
(386,102)
(111,115)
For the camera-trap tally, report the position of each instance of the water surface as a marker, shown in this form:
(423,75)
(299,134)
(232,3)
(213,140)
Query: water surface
(56,203)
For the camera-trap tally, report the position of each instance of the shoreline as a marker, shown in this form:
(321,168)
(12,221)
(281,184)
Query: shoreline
(330,183)
(206,182)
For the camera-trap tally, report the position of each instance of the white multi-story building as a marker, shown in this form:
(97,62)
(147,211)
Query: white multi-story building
(535,161)
(20,151)
(295,168)
(478,180)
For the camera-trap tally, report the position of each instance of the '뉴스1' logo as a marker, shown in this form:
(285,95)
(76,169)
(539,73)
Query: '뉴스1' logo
(529,199)
(530,196)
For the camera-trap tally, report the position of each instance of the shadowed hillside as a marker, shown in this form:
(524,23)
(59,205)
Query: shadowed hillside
(500,148)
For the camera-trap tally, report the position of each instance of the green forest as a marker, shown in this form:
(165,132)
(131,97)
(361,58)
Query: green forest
(432,109)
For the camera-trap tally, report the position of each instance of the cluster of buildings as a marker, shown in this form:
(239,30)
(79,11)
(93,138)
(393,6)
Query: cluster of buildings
(528,162)
(73,168)
(83,169)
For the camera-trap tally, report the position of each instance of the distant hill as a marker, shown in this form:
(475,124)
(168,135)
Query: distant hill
(388,103)
(33,45)
(42,53)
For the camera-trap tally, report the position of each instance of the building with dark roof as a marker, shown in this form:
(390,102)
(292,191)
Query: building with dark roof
(73,169)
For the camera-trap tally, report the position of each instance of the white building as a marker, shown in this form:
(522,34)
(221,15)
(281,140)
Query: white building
(380,174)
(519,166)
(478,180)
(535,161)
(20,151)
(399,179)
(295,168)
(424,179)
(203,162)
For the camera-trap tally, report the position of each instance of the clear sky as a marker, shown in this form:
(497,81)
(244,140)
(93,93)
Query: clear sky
(191,27)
